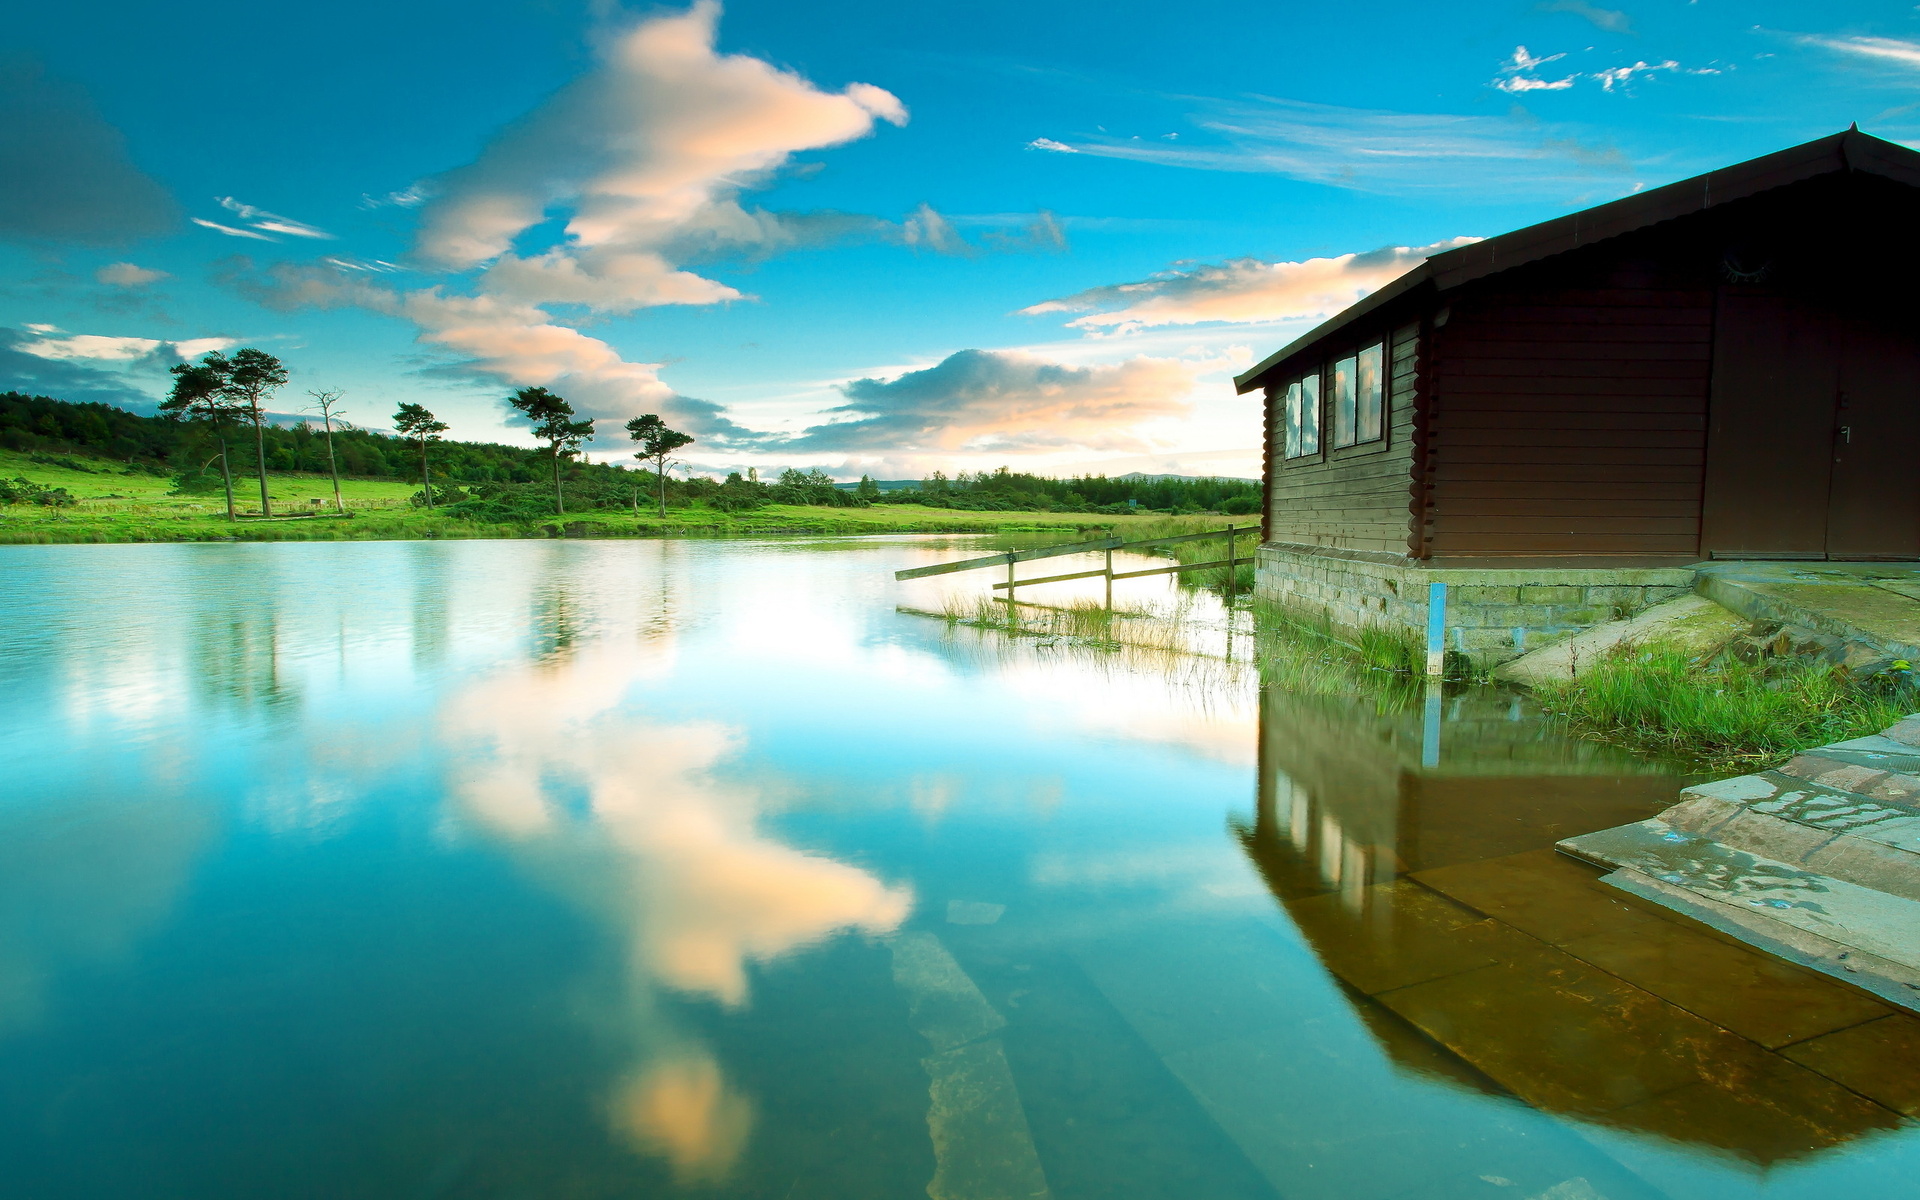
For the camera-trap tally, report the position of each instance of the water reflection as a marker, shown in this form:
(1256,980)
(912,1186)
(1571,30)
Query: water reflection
(532,868)
(621,813)
(1433,893)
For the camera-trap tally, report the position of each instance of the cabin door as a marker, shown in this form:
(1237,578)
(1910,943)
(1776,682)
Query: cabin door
(1813,439)
(1769,427)
(1873,508)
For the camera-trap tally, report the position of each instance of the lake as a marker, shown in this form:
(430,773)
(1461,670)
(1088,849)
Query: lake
(735,868)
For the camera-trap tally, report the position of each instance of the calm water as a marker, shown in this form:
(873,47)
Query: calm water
(527,869)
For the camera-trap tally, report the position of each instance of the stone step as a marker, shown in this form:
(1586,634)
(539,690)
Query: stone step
(1868,937)
(1870,843)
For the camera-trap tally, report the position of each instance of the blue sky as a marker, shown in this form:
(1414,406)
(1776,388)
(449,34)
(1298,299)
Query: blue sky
(870,237)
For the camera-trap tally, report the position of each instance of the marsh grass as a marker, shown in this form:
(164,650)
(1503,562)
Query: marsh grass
(1730,714)
(1087,622)
(1209,550)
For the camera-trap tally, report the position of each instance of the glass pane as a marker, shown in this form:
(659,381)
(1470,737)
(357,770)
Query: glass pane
(1293,420)
(1372,394)
(1310,415)
(1343,402)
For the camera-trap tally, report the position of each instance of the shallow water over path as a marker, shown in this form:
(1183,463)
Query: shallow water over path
(597,869)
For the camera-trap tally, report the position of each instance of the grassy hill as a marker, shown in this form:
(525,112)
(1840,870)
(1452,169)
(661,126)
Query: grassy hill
(113,502)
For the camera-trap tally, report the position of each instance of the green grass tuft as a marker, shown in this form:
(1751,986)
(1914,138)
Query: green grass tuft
(1728,715)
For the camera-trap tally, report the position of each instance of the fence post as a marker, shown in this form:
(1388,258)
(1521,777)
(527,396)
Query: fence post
(1230,573)
(1436,629)
(1010,562)
(1109,579)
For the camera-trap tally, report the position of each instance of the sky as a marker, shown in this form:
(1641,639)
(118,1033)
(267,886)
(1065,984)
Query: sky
(867,237)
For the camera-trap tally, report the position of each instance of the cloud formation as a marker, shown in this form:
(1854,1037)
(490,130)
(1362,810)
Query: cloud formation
(68,175)
(1242,289)
(1514,74)
(51,343)
(1360,149)
(128,275)
(647,154)
(1610,19)
(643,159)
(73,378)
(1882,49)
(992,400)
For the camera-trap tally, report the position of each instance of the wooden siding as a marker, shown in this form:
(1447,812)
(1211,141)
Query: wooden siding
(1353,498)
(1569,410)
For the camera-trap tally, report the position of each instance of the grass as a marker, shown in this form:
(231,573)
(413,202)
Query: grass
(1208,550)
(1087,622)
(117,504)
(1730,714)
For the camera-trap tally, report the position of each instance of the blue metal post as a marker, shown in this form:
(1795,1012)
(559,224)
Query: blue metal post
(1436,629)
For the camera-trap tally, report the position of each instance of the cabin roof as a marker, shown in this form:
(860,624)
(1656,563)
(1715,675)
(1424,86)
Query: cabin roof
(1840,153)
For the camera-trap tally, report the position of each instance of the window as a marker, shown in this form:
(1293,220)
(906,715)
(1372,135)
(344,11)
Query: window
(1292,418)
(1343,373)
(1310,414)
(1358,393)
(1370,405)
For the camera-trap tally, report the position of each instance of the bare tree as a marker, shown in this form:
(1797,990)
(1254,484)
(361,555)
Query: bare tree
(325,401)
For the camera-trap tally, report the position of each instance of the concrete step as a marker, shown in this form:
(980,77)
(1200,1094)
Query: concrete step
(1868,936)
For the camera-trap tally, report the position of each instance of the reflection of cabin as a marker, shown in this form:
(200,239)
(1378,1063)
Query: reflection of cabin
(1479,956)
(1726,367)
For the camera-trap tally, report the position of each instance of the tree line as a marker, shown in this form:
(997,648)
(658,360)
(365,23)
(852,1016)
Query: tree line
(215,425)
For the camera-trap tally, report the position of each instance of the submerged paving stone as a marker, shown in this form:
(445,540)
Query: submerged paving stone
(1818,862)
(1875,1059)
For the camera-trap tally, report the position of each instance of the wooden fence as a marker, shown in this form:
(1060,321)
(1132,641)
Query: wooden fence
(1107,545)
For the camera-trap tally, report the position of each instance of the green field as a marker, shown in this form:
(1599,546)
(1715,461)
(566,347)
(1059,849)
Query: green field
(119,504)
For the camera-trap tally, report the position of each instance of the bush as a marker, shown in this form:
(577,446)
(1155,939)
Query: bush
(25,491)
(1240,506)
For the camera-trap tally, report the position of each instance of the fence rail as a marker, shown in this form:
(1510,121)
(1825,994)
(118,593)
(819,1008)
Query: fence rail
(1012,558)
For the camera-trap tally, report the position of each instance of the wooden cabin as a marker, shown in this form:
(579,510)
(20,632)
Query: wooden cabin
(1726,367)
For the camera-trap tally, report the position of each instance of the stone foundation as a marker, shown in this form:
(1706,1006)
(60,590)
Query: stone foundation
(1492,614)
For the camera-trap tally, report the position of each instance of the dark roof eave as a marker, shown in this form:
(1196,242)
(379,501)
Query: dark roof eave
(1251,379)
(1834,154)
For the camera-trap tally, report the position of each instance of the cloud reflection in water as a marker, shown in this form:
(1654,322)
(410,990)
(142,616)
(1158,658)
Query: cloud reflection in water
(622,814)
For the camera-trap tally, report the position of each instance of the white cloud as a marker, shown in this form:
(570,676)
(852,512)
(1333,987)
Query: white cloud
(1884,49)
(261,219)
(1007,400)
(1519,83)
(1610,19)
(126,274)
(1361,149)
(1616,76)
(411,196)
(230,231)
(648,150)
(1050,144)
(103,348)
(1244,289)
(1524,61)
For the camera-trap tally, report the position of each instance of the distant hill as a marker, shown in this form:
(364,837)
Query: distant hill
(1145,478)
(903,485)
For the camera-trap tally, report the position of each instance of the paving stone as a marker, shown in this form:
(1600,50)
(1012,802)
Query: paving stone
(1773,1111)
(1564,1035)
(1879,1059)
(1751,993)
(1883,925)
(1542,893)
(1396,934)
